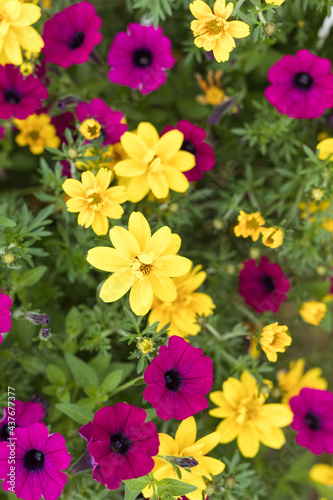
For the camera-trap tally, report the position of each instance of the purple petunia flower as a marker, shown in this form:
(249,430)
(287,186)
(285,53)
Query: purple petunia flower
(19,96)
(178,379)
(263,287)
(193,142)
(71,35)
(313,419)
(120,443)
(5,319)
(39,459)
(139,58)
(302,86)
(24,413)
(110,120)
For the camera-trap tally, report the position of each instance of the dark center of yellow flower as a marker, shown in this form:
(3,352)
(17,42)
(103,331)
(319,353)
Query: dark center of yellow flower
(94,199)
(93,131)
(146,269)
(34,135)
(214,27)
(252,224)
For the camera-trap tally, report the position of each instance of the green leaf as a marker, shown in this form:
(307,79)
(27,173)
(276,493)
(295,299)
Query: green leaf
(130,494)
(174,487)
(256,33)
(73,322)
(84,375)
(100,363)
(55,375)
(5,222)
(137,484)
(31,277)
(112,381)
(77,413)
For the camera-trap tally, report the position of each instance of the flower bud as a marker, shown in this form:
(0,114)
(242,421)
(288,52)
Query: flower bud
(37,319)
(185,462)
(145,345)
(72,153)
(8,258)
(45,334)
(229,482)
(269,29)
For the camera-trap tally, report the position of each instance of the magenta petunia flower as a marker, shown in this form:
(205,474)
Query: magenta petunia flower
(39,459)
(302,86)
(264,287)
(313,419)
(120,443)
(24,414)
(5,319)
(110,120)
(139,57)
(178,379)
(19,96)
(193,142)
(71,35)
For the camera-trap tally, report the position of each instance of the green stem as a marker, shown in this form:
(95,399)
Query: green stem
(232,335)
(125,386)
(261,16)
(231,360)
(237,7)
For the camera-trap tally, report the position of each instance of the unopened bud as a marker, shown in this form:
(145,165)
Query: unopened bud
(8,258)
(269,29)
(321,270)
(72,153)
(45,334)
(145,345)
(37,319)
(185,462)
(173,207)
(210,488)
(254,253)
(230,269)
(218,224)
(229,482)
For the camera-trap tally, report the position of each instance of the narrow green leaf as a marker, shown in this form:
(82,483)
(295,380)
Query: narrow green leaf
(5,222)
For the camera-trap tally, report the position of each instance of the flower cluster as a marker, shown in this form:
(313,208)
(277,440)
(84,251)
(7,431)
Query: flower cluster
(253,225)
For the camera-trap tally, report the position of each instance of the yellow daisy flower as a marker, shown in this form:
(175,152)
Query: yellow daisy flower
(322,473)
(37,132)
(154,163)
(249,225)
(272,237)
(247,417)
(291,382)
(90,129)
(273,339)
(16,32)
(95,200)
(140,261)
(214,93)
(325,149)
(185,445)
(313,312)
(275,2)
(213,31)
(182,313)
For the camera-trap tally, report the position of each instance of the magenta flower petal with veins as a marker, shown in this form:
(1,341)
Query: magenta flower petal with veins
(178,380)
(5,319)
(25,414)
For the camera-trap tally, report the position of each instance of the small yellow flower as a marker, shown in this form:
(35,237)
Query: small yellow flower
(95,200)
(273,339)
(106,157)
(322,473)
(317,194)
(16,32)
(213,31)
(185,445)
(313,207)
(325,149)
(272,237)
(90,129)
(27,68)
(247,417)
(249,225)
(182,313)
(145,345)
(139,261)
(214,93)
(155,163)
(37,132)
(291,382)
(313,312)
(275,2)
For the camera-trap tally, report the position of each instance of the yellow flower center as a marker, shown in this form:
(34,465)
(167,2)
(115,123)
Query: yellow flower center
(34,135)
(214,27)
(252,224)
(142,265)
(214,95)
(94,198)
(247,410)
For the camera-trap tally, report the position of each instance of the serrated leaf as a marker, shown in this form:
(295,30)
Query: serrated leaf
(78,413)
(111,381)
(84,375)
(5,222)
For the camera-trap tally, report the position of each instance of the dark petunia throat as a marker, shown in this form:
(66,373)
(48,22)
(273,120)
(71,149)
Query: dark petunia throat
(4,433)
(142,58)
(120,443)
(77,40)
(303,81)
(188,146)
(173,380)
(313,421)
(268,282)
(33,460)
(12,96)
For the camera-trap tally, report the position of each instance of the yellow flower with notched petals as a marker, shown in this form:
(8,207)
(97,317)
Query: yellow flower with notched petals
(272,237)
(155,163)
(247,417)
(249,225)
(182,313)
(140,261)
(213,31)
(313,312)
(16,32)
(37,132)
(95,200)
(185,445)
(273,339)
(322,473)
(90,129)
(291,382)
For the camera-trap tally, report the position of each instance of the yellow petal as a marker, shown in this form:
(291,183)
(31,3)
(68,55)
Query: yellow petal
(103,178)
(117,285)
(176,180)
(322,473)
(325,149)
(238,29)
(186,435)
(159,241)
(210,441)
(182,161)
(12,11)
(219,8)
(211,466)
(29,39)
(134,146)
(138,188)
(164,288)
(274,438)
(112,210)
(173,265)
(168,446)
(228,430)
(174,245)
(233,391)
(158,184)
(75,204)
(139,227)
(100,224)
(276,414)
(12,48)
(148,133)
(248,441)
(200,9)
(88,180)
(220,54)
(130,168)
(86,217)
(74,188)
(106,259)
(29,14)
(169,144)
(124,242)
(141,297)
